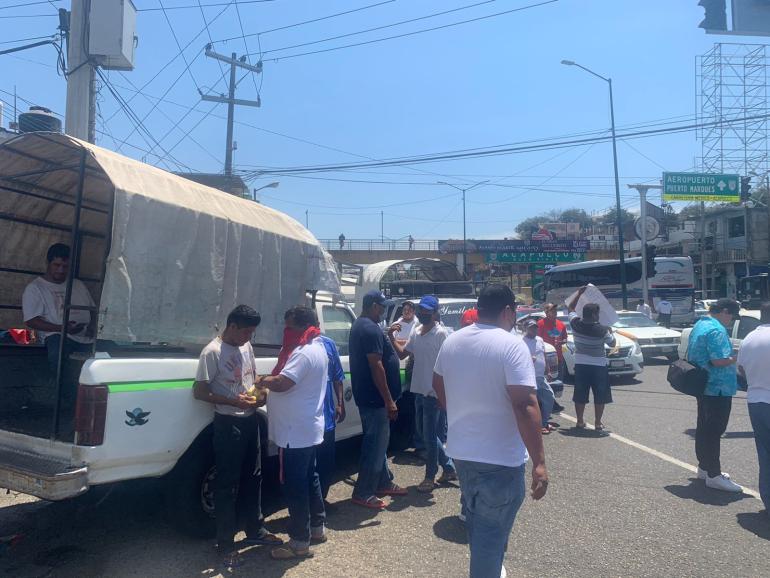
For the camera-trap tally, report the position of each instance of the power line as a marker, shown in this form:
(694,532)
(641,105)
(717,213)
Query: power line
(211,5)
(246,45)
(25,4)
(384,26)
(319,19)
(413,33)
(51,36)
(179,46)
(506,150)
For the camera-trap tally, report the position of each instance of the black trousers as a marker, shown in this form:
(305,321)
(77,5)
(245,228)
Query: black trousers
(664,319)
(238,483)
(324,462)
(713,415)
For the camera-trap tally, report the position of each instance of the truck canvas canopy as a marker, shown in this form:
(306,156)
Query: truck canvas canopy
(165,258)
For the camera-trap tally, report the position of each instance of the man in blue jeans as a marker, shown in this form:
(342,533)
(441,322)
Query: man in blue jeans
(376,379)
(485,378)
(754,363)
(424,343)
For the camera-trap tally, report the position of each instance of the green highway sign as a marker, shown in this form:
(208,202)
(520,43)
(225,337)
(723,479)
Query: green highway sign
(701,187)
(536,257)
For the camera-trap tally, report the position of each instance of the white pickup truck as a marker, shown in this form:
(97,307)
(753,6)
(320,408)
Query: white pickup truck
(165,259)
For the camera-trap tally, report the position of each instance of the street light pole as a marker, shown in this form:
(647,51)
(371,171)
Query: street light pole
(267,186)
(463,190)
(618,210)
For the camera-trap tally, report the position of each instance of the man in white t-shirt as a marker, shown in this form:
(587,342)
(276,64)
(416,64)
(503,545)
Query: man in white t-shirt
(225,377)
(644,309)
(406,322)
(665,309)
(296,425)
(754,364)
(424,345)
(43,307)
(545,397)
(485,379)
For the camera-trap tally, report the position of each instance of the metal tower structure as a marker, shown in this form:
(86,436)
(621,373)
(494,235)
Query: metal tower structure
(731,83)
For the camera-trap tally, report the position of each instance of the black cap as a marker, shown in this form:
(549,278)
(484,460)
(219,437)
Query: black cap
(494,298)
(731,305)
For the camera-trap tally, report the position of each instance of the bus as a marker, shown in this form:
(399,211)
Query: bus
(673,278)
(754,290)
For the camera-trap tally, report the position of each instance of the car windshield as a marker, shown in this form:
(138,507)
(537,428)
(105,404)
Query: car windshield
(452,313)
(625,321)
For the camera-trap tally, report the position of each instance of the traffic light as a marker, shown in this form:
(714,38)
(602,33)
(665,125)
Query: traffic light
(716,15)
(745,188)
(650,252)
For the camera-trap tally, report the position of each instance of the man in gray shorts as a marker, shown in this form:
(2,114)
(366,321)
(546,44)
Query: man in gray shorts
(590,360)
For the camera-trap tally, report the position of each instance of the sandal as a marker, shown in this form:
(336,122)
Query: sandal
(264,538)
(392,490)
(599,427)
(372,502)
(545,430)
(288,553)
(581,425)
(448,476)
(426,486)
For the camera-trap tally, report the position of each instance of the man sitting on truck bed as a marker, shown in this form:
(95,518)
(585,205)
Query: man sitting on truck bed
(226,375)
(43,309)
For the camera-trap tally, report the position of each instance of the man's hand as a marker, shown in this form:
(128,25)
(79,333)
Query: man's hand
(73,327)
(339,413)
(392,410)
(539,481)
(393,329)
(582,289)
(245,401)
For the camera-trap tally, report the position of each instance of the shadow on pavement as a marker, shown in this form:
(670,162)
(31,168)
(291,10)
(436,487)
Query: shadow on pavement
(697,491)
(347,516)
(404,458)
(451,529)
(730,435)
(413,500)
(576,432)
(758,523)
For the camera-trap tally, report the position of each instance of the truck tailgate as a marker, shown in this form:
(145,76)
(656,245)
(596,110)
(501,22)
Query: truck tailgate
(47,477)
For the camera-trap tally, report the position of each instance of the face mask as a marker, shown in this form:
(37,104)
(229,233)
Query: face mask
(291,336)
(424,318)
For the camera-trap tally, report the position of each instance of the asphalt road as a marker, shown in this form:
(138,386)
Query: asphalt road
(614,508)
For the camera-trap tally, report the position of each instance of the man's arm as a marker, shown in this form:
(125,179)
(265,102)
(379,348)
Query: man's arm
(438,387)
(276,383)
(524,400)
(578,295)
(339,410)
(202,392)
(40,324)
(381,382)
(720,349)
(398,344)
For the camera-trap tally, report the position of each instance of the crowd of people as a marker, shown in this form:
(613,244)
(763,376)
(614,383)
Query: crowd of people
(482,404)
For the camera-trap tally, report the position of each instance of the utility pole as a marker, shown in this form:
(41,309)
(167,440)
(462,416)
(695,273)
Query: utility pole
(703,280)
(231,101)
(642,190)
(382,226)
(80,117)
(307,219)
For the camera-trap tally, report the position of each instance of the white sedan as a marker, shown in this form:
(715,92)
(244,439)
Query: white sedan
(652,338)
(624,360)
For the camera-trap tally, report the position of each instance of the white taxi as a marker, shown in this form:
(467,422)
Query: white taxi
(651,337)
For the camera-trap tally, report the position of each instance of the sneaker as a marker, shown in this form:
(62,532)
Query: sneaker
(703,474)
(461,517)
(723,483)
(503,572)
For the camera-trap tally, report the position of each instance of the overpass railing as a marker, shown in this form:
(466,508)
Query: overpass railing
(380,245)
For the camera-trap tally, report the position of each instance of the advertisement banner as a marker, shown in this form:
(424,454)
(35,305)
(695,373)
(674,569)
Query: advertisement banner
(539,257)
(513,246)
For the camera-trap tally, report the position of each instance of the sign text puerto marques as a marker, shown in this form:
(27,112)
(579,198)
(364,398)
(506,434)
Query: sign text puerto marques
(701,187)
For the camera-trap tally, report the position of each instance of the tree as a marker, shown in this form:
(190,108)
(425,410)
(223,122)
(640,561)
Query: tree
(576,215)
(528,226)
(611,216)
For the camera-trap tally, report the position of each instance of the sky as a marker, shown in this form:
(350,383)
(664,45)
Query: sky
(489,82)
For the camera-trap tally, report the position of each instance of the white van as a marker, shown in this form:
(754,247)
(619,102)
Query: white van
(165,260)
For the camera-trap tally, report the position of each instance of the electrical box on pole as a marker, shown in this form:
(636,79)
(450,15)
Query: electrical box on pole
(747,17)
(112,34)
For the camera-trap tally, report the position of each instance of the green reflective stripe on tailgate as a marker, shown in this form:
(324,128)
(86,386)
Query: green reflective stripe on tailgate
(149,385)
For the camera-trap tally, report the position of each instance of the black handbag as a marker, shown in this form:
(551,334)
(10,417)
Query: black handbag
(687,378)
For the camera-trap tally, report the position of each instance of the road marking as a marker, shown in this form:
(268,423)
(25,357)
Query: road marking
(657,454)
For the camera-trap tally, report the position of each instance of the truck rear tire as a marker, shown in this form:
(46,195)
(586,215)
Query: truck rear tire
(189,492)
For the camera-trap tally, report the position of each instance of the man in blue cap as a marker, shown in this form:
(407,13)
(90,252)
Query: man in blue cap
(376,379)
(424,343)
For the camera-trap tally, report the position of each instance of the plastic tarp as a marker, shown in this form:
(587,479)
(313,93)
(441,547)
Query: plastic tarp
(181,255)
(607,314)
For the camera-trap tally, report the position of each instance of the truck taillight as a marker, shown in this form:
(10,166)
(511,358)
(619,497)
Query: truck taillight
(90,415)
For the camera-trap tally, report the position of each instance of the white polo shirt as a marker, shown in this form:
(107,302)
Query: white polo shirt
(477,363)
(425,349)
(754,358)
(295,418)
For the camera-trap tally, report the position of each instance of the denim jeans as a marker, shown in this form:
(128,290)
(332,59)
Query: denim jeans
(491,496)
(373,471)
(239,477)
(302,492)
(418,442)
(325,458)
(759,413)
(434,448)
(545,400)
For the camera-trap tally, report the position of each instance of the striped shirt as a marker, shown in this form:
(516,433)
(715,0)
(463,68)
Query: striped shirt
(590,339)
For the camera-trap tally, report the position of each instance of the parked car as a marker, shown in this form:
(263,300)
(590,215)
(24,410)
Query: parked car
(701,307)
(652,338)
(625,359)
